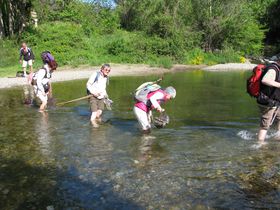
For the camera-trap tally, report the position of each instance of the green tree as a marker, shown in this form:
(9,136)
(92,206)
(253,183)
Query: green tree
(14,15)
(227,23)
(272,20)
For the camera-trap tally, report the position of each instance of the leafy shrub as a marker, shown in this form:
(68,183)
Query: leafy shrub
(9,52)
(65,40)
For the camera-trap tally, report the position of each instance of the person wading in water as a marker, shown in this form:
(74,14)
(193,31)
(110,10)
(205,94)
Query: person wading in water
(269,98)
(41,79)
(96,87)
(143,109)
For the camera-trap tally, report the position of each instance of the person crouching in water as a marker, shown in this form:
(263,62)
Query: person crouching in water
(269,98)
(96,86)
(143,110)
(41,82)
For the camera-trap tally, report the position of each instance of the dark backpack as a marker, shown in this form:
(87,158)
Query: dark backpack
(254,81)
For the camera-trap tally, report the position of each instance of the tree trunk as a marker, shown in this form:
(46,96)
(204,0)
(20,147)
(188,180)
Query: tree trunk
(14,14)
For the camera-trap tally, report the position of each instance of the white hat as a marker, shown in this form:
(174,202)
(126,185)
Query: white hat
(171,91)
(275,57)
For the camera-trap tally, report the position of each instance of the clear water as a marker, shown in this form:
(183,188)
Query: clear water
(207,157)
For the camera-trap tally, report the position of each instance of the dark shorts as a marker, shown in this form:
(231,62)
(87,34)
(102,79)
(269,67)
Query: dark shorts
(96,104)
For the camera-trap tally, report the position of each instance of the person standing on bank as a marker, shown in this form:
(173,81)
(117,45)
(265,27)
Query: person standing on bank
(26,57)
(96,87)
(41,79)
(269,98)
(143,110)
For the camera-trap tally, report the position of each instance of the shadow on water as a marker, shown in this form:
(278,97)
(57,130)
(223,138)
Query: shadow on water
(24,186)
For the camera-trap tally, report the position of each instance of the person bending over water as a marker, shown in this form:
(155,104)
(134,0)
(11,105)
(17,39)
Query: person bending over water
(143,110)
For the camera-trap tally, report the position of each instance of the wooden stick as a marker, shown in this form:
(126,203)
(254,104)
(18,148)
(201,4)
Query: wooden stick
(77,99)
(274,115)
(148,83)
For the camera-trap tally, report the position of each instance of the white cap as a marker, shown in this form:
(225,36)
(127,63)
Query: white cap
(275,57)
(171,91)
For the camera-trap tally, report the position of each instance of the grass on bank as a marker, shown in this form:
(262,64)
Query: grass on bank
(72,47)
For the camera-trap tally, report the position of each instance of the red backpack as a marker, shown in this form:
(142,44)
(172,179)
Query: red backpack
(254,81)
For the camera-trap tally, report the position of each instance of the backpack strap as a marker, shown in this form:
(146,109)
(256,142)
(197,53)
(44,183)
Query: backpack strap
(98,74)
(46,74)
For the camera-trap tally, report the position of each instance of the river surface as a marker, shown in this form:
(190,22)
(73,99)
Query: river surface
(207,157)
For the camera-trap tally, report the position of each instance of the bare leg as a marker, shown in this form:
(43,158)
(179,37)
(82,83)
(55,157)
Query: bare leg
(43,106)
(98,116)
(262,135)
(24,71)
(93,119)
(98,113)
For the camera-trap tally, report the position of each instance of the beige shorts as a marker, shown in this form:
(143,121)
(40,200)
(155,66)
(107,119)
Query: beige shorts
(96,104)
(29,62)
(267,115)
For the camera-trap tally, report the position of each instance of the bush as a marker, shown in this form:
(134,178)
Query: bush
(65,40)
(9,53)
(197,56)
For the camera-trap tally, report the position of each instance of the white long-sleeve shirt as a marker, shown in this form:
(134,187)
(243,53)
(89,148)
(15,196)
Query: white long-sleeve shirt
(97,84)
(42,76)
(154,99)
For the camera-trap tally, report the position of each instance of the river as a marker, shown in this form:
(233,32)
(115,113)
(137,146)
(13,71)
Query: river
(206,157)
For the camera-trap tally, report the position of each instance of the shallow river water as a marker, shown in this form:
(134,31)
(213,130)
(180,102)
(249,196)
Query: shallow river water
(205,158)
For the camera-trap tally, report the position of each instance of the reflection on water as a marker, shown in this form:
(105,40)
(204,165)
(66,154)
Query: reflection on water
(204,158)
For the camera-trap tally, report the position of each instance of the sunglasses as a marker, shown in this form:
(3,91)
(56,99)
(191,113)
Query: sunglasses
(107,70)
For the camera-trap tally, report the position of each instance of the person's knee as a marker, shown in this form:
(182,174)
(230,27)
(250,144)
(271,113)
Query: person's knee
(93,115)
(98,113)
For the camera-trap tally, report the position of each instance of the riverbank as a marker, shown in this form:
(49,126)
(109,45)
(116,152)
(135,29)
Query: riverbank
(84,72)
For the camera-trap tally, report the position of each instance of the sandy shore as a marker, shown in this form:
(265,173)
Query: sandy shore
(122,70)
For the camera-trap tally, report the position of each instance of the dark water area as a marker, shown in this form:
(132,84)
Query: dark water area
(206,157)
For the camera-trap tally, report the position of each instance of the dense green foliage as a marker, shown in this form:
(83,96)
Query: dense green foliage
(156,32)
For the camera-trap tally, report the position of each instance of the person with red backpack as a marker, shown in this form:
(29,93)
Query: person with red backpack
(143,109)
(269,97)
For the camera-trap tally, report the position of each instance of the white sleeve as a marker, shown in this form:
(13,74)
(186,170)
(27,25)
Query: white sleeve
(155,97)
(90,82)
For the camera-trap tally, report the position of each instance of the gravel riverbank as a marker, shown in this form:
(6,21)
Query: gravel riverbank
(122,70)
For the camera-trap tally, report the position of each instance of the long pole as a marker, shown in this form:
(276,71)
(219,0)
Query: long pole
(77,99)
(274,115)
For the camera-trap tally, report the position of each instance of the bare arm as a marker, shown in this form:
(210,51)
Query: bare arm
(269,79)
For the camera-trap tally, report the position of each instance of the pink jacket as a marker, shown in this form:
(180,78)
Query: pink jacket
(146,107)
